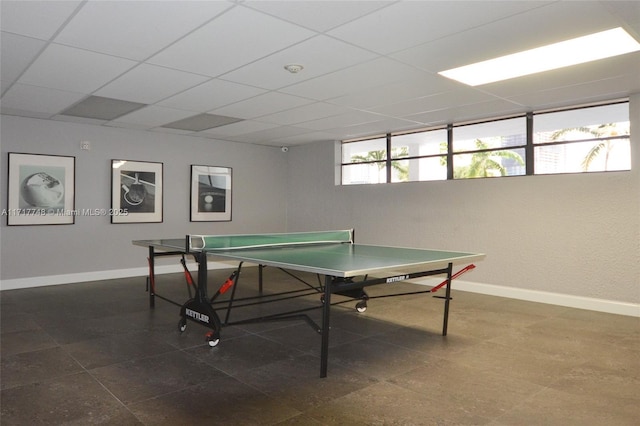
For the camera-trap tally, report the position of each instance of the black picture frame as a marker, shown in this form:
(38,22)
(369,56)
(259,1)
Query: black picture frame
(211,193)
(41,189)
(136,191)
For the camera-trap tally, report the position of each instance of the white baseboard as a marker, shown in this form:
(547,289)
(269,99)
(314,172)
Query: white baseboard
(579,302)
(19,283)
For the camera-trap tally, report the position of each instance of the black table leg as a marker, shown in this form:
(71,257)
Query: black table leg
(151,279)
(447,299)
(326,310)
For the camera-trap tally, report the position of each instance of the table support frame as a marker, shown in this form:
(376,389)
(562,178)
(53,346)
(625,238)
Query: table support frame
(204,308)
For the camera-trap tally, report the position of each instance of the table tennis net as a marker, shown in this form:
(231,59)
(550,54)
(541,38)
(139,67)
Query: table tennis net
(247,241)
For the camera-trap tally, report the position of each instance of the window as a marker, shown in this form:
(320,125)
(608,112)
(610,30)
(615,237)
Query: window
(364,161)
(424,156)
(578,140)
(592,139)
(495,148)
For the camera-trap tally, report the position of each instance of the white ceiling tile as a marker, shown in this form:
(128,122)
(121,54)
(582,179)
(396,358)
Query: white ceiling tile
(355,79)
(318,15)
(39,19)
(122,125)
(16,54)
(161,129)
(239,128)
(396,92)
(319,55)
(152,116)
(210,95)
(267,135)
(453,51)
(509,35)
(560,20)
(4,85)
(69,69)
(341,120)
(456,114)
(628,12)
(375,128)
(464,96)
(81,120)
(235,38)
(344,91)
(149,84)
(305,139)
(303,113)
(39,99)
(200,122)
(589,73)
(24,113)
(136,29)
(576,94)
(407,24)
(261,105)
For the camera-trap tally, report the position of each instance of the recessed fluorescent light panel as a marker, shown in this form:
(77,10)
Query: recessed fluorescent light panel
(579,50)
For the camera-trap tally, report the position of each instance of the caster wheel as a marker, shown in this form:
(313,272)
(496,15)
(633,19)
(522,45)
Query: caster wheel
(182,325)
(212,340)
(361,306)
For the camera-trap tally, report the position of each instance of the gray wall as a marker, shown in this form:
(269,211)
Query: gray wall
(568,234)
(576,235)
(93,244)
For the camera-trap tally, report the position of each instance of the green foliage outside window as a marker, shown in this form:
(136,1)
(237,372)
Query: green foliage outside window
(379,158)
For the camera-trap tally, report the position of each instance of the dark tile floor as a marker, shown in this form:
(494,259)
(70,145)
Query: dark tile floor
(95,353)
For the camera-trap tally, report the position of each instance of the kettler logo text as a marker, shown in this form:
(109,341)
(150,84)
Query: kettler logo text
(197,315)
(396,279)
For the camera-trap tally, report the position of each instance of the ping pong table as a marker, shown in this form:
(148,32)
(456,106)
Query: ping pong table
(348,268)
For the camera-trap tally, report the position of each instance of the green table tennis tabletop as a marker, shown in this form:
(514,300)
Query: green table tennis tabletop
(334,259)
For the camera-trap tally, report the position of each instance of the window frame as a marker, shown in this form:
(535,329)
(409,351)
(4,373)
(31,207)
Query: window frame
(528,147)
(539,145)
(452,164)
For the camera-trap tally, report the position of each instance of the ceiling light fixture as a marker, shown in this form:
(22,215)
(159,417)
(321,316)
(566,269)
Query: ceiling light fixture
(293,68)
(579,50)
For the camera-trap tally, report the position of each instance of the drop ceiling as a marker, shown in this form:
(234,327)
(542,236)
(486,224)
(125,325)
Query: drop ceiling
(215,69)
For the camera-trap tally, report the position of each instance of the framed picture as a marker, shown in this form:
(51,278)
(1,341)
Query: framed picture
(210,193)
(136,191)
(41,189)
